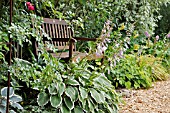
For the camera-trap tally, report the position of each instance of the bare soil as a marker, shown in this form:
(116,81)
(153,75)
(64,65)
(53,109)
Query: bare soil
(152,100)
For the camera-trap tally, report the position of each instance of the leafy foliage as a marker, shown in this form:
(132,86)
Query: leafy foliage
(68,87)
(13,100)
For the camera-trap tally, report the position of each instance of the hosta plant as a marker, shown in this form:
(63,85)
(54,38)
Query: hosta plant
(75,87)
(13,100)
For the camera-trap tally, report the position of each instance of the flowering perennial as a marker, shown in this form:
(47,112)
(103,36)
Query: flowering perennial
(29,6)
(104,37)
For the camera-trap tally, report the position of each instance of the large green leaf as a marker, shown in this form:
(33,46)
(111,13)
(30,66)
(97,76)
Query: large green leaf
(91,106)
(103,81)
(52,89)
(78,110)
(96,95)
(42,99)
(16,98)
(69,103)
(72,93)
(61,88)
(83,92)
(16,105)
(72,82)
(4,91)
(55,100)
(64,109)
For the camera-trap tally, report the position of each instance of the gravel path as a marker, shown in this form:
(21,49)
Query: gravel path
(152,100)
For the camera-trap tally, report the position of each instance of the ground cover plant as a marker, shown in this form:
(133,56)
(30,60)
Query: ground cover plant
(134,56)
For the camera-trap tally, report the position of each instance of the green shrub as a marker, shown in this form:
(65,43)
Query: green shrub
(129,74)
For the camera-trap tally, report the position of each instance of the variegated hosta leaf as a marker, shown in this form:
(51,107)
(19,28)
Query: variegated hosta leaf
(69,103)
(61,88)
(97,96)
(16,105)
(64,109)
(103,81)
(4,91)
(16,98)
(56,100)
(78,110)
(91,105)
(2,109)
(110,109)
(72,92)
(52,89)
(72,82)
(83,92)
(42,99)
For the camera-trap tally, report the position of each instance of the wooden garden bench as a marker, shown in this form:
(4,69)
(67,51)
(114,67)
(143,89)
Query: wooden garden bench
(61,36)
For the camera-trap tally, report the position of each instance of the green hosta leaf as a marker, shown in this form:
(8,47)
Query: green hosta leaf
(83,92)
(72,82)
(109,109)
(4,91)
(96,95)
(78,110)
(100,111)
(16,105)
(2,109)
(12,111)
(52,89)
(69,103)
(64,109)
(103,81)
(128,84)
(61,88)
(91,106)
(72,93)
(55,100)
(42,99)
(16,98)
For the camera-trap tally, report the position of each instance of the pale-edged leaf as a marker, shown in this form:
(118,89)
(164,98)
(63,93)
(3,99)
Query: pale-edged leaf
(12,111)
(42,99)
(64,109)
(90,105)
(103,81)
(83,92)
(4,91)
(78,109)
(72,93)
(109,109)
(95,95)
(16,98)
(2,109)
(61,88)
(72,82)
(55,100)
(16,105)
(52,89)
(69,103)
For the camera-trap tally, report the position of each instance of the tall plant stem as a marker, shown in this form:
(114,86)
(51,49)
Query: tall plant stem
(10,56)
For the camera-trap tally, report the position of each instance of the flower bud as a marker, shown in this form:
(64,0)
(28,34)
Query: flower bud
(30,8)
(157,37)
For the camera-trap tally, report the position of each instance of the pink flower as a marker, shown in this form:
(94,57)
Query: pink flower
(157,37)
(147,34)
(28,4)
(168,35)
(30,8)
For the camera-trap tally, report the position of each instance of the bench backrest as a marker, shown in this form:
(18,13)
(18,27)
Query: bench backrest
(55,28)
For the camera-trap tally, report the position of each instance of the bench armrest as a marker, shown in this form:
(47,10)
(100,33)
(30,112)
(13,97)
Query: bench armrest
(59,39)
(85,39)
